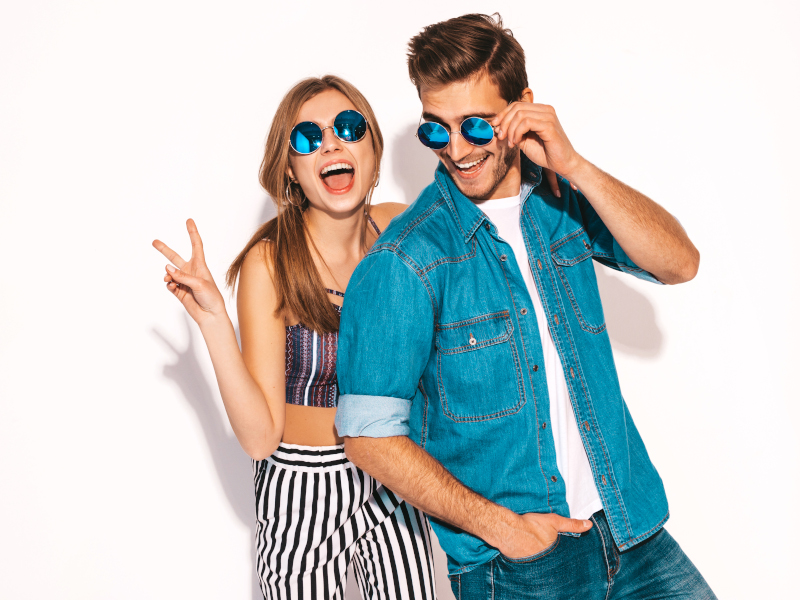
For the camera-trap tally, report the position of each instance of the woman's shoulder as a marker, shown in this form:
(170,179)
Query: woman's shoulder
(384,212)
(257,269)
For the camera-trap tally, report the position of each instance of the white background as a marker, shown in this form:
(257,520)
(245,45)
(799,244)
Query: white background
(119,474)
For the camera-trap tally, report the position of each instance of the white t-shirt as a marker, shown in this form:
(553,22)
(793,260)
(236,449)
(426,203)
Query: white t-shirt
(582,496)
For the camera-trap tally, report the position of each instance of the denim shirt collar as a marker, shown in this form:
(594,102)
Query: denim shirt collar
(468,216)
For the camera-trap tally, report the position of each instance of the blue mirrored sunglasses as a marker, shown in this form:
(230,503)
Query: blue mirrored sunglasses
(475,130)
(348,126)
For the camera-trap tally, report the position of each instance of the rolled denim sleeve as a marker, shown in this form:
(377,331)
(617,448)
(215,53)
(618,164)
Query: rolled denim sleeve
(385,341)
(605,248)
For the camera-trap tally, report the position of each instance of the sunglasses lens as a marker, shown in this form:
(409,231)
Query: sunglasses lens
(350,126)
(477,131)
(305,137)
(433,135)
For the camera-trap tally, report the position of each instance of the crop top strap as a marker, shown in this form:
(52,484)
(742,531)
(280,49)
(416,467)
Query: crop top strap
(374,224)
(335,293)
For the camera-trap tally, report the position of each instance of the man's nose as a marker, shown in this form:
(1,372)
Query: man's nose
(459,147)
(330,143)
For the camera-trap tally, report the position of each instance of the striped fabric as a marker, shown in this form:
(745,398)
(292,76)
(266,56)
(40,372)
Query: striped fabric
(311,366)
(317,511)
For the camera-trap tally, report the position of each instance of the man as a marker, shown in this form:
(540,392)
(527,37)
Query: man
(476,374)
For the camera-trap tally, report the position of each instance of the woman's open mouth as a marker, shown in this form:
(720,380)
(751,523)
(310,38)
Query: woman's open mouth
(338,176)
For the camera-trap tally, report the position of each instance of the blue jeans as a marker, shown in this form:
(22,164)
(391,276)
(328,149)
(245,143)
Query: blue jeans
(588,567)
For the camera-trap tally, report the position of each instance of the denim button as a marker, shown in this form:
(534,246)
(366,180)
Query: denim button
(472,340)
(544,425)
(539,264)
(554,478)
(587,245)
(535,368)
(503,257)
(488,227)
(523,312)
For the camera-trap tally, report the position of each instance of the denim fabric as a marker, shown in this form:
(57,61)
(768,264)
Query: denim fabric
(589,567)
(439,341)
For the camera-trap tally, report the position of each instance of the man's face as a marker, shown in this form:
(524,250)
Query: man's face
(480,172)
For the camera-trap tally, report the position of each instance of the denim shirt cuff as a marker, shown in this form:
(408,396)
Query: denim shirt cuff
(372,416)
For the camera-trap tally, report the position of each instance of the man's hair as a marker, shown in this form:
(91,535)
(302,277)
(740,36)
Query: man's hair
(466,47)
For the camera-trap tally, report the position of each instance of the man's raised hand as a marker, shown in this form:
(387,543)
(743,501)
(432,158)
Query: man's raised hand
(191,281)
(535,129)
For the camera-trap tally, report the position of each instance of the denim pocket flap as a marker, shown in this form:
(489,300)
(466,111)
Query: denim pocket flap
(475,333)
(571,249)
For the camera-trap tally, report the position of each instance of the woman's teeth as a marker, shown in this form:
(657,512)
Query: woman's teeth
(338,176)
(336,167)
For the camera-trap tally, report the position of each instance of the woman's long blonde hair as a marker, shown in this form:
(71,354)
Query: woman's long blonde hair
(298,284)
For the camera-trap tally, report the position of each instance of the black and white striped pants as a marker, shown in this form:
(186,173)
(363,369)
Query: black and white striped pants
(317,511)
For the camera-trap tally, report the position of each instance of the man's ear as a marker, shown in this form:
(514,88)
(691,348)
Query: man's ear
(526,96)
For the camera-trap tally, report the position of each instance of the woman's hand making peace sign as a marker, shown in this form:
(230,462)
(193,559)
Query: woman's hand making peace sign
(191,282)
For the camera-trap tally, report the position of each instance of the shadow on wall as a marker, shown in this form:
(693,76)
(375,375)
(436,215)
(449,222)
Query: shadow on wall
(630,316)
(232,466)
(412,164)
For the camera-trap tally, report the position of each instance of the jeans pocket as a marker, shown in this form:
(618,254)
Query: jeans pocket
(533,557)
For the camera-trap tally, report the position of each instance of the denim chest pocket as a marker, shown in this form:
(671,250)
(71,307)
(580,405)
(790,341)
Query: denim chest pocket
(478,368)
(572,256)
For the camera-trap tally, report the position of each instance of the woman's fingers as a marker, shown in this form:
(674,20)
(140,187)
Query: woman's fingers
(182,278)
(171,255)
(197,243)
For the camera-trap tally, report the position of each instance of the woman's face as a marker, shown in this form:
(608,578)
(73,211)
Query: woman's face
(343,189)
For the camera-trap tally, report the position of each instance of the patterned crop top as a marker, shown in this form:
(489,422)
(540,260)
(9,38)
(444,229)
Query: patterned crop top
(311,362)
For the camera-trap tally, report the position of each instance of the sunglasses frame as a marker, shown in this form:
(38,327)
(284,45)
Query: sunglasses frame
(322,131)
(451,133)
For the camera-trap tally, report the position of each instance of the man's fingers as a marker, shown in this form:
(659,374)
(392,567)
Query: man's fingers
(194,235)
(573,525)
(552,179)
(171,255)
(502,122)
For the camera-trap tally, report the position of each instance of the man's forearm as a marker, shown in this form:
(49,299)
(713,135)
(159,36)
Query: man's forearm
(650,235)
(421,480)
(405,468)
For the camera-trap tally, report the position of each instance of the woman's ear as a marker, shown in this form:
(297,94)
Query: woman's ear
(290,173)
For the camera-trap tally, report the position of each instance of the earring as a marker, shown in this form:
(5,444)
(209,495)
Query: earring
(289,193)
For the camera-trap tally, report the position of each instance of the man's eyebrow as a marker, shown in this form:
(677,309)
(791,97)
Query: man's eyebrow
(426,116)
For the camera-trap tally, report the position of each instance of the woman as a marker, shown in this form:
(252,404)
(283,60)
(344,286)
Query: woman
(316,511)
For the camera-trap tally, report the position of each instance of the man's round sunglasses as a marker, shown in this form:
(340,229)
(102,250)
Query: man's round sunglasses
(348,126)
(475,130)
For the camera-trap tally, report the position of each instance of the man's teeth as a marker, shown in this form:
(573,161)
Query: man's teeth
(469,165)
(336,167)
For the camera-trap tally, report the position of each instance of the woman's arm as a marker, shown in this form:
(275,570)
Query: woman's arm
(251,381)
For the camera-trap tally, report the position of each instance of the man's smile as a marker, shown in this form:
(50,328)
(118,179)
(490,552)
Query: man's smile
(470,169)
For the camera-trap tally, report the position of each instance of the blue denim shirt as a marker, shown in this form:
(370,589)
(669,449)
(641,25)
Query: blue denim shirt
(439,341)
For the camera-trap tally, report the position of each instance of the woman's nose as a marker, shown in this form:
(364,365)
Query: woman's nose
(330,143)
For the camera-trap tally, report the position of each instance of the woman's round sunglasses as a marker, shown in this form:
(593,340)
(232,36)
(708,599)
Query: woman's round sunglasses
(348,126)
(475,130)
